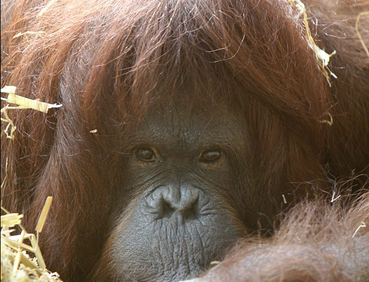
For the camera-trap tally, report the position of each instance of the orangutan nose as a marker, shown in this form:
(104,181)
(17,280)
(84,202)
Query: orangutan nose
(170,200)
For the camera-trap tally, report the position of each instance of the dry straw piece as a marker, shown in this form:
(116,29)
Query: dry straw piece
(21,104)
(321,56)
(26,103)
(358,32)
(21,258)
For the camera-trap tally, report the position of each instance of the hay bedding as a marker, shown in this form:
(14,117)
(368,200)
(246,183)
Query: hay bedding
(21,258)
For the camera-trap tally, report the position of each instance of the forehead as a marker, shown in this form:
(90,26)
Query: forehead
(194,126)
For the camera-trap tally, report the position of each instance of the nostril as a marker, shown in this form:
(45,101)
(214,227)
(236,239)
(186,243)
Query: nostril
(168,201)
(191,210)
(166,209)
(186,209)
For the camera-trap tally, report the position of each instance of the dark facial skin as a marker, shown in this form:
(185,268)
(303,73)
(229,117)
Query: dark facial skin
(183,216)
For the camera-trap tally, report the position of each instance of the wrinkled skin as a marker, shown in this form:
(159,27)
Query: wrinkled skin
(182,216)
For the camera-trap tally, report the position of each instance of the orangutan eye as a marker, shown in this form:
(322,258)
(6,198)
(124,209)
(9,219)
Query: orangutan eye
(210,156)
(145,154)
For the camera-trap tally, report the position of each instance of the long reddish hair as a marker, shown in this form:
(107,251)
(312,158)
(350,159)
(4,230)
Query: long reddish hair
(107,61)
